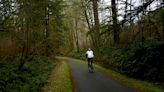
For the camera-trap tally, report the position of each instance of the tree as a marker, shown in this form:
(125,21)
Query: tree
(38,19)
(96,25)
(87,10)
(116,27)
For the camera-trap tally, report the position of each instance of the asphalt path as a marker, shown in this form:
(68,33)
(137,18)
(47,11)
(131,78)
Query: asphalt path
(93,82)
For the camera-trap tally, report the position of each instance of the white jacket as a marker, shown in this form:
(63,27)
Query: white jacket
(90,54)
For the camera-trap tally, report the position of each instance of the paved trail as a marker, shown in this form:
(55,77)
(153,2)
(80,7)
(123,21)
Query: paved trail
(93,82)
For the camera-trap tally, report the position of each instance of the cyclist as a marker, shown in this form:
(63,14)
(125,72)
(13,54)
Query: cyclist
(90,56)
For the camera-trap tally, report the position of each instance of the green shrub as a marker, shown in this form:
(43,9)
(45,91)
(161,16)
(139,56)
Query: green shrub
(144,61)
(78,55)
(30,79)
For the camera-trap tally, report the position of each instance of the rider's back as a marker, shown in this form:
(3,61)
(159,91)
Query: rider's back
(90,54)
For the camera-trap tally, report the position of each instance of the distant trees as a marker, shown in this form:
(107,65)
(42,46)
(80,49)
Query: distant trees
(76,27)
(48,26)
(7,23)
(121,22)
(31,24)
(91,13)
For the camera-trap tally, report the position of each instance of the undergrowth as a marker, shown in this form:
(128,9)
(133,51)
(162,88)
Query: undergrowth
(30,79)
(78,54)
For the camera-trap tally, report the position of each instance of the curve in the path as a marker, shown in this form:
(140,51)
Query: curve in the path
(93,82)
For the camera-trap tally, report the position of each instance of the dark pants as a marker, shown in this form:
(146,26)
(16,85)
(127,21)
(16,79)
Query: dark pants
(90,61)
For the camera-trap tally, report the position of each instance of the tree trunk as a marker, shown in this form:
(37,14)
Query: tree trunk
(85,13)
(96,16)
(46,29)
(22,60)
(76,35)
(89,21)
(96,25)
(25,49)
(116,27)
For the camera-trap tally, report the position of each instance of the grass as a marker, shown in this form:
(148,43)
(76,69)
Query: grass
(59,80)
(138,85)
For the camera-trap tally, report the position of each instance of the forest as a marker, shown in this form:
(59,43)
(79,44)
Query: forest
(126,36)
